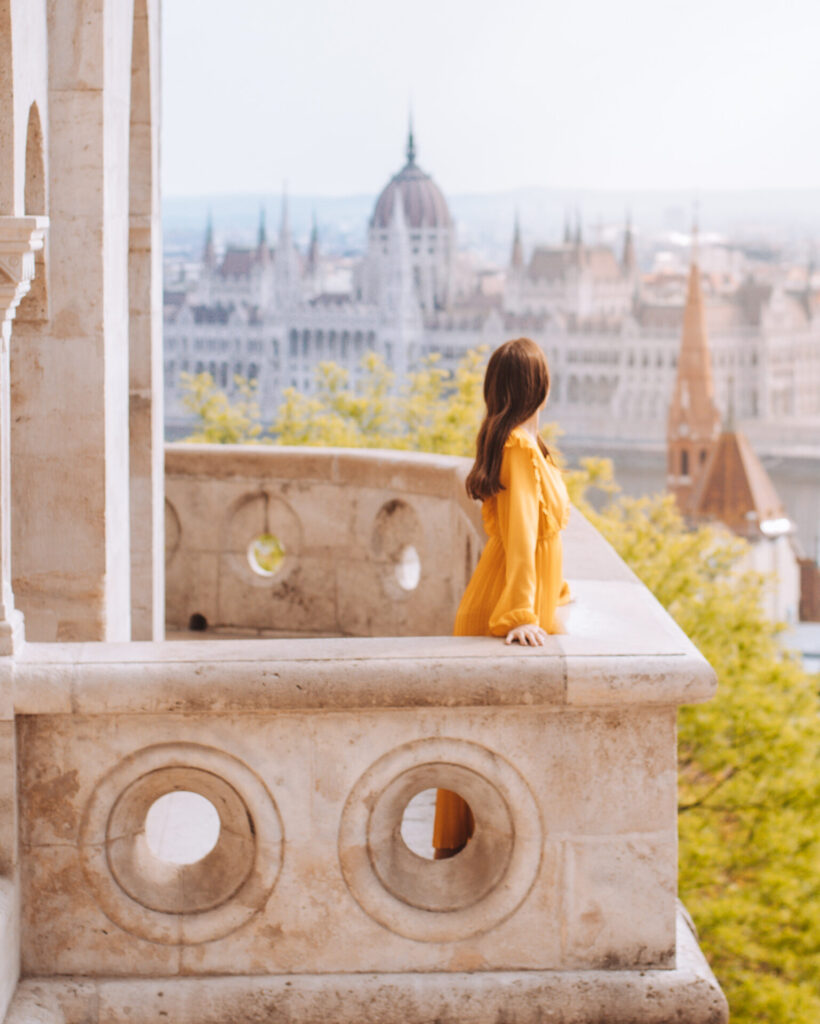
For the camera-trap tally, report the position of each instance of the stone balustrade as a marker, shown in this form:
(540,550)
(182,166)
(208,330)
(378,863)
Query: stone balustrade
(310,906)
(375,543)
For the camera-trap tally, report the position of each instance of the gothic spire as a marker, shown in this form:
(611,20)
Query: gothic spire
(628,260)
(284,223)
(209,252)
(262,234)
(313,248)
(695,246)
(693,425)
(517,255)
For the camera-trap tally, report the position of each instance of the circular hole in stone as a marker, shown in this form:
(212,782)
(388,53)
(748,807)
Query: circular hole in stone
(408,568)
(266,554)
(417,823)
(181,827)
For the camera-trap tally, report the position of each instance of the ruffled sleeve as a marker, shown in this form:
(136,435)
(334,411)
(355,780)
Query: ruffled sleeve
(518,508)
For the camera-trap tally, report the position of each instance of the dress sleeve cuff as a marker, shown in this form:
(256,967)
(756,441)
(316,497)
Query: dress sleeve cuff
(501,625)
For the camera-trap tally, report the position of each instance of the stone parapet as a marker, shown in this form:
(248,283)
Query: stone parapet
(562,906)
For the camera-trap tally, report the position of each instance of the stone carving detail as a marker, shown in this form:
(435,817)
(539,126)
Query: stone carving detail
(440,901)
(185,903)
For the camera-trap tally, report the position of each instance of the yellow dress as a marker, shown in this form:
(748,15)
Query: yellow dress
(519,579)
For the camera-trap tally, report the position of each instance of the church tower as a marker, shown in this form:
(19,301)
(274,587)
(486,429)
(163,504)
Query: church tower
(693,426)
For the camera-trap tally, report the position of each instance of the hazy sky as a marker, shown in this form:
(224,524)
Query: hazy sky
(578,93)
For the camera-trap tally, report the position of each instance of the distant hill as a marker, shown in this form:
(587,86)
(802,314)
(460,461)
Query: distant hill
(786,220)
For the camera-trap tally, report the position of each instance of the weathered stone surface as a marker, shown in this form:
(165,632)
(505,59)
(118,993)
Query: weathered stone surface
(343,519)
(598,786)
(687,993)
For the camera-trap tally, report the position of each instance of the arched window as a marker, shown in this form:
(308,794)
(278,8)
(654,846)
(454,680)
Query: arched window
(684,463)
(293,343)
(253,371)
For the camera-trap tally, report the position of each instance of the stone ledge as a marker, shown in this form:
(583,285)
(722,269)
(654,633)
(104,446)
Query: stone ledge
(689,994)
(215,677)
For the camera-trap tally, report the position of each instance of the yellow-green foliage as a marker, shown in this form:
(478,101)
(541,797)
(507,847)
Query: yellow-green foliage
(436,411)
(749,792)
(220,420)
(749,771)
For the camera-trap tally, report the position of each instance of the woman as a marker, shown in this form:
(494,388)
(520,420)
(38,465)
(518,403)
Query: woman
(518,582)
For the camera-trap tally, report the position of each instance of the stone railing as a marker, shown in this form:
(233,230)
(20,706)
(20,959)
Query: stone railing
(372,543)
(310,906)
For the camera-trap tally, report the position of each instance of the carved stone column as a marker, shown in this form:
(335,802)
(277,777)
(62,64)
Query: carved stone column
(20,238)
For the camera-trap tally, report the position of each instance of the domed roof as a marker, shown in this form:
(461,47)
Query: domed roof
(424,202)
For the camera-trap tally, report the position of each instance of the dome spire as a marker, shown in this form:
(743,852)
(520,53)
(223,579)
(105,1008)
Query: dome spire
(411,142)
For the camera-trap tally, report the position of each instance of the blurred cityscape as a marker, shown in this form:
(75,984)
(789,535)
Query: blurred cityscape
(267,287)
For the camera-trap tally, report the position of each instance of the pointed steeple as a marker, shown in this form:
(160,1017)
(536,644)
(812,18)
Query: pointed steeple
(284,222)
(313,248)
(694,254)
(262,247)
(208,251)
(693,425)
(629,262)
(517,254)
(411,142)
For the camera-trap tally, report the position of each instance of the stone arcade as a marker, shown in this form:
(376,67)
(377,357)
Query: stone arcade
(309,907)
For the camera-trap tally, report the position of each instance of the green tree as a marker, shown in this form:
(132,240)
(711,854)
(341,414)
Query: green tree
(749,788)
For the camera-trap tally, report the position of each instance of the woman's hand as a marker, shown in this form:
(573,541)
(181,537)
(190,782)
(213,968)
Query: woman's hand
(527,636)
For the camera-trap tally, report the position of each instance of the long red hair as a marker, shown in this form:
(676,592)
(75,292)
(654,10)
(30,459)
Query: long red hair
(516,384)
